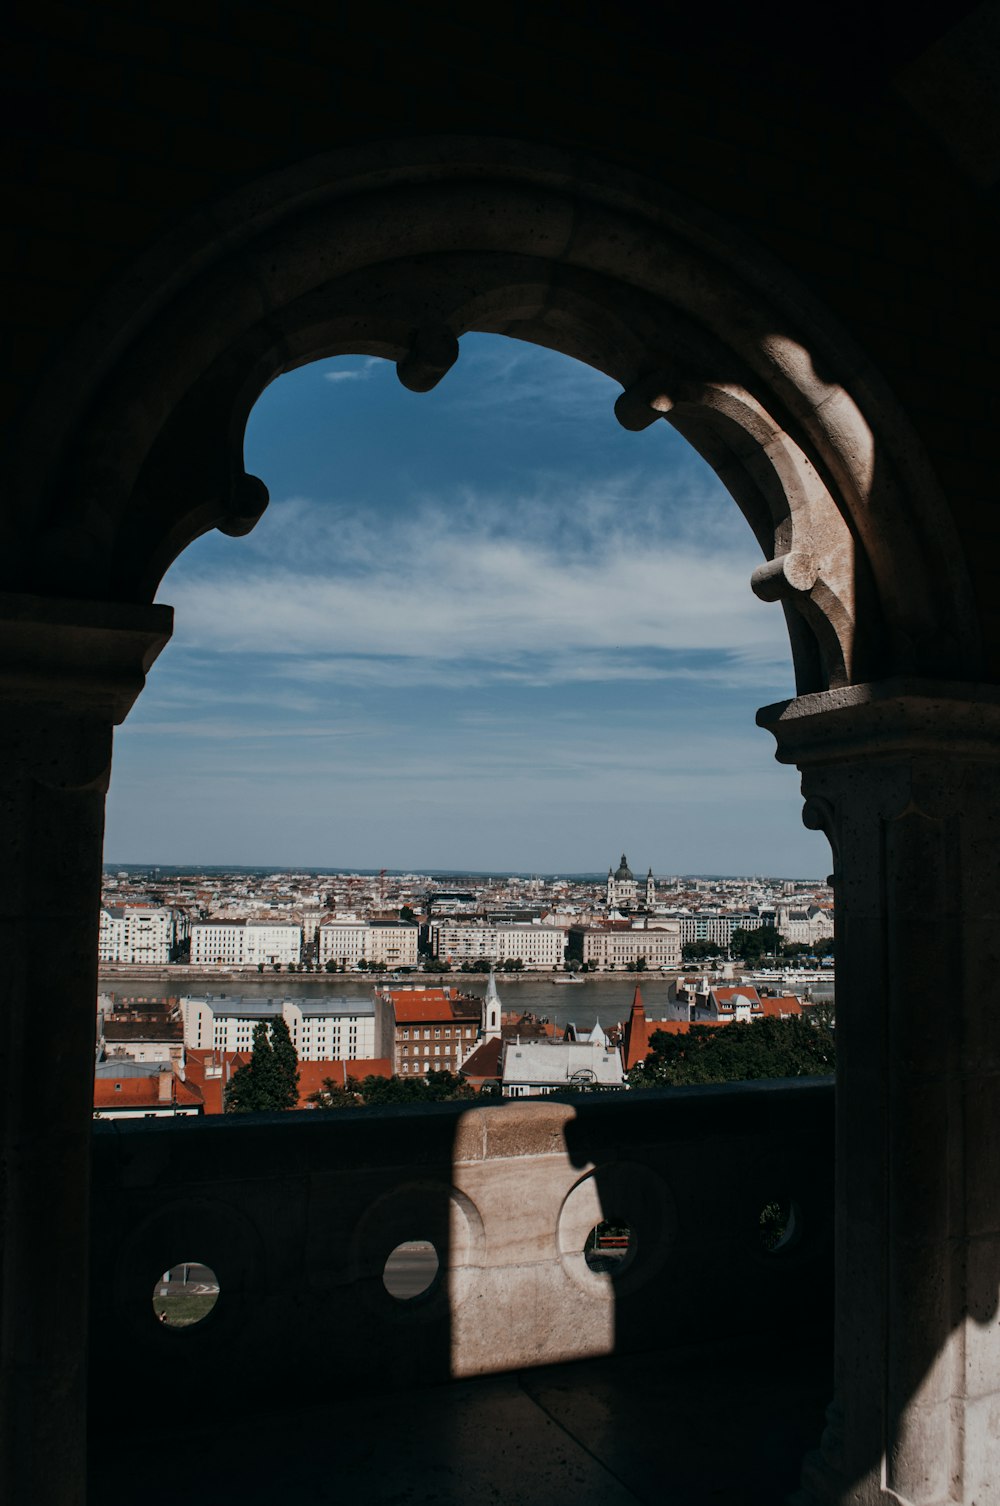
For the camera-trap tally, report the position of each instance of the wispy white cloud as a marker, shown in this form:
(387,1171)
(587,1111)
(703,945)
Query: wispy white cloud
(541,386)
(352,373)
(592,591)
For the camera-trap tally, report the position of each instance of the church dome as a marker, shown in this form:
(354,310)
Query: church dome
(624,871)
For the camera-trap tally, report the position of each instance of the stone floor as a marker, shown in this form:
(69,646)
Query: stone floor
(702,1427)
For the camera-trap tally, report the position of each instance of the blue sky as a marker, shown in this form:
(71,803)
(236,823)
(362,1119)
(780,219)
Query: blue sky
(483,627)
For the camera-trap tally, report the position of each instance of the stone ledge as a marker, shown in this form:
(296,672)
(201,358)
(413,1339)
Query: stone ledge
(79,657)
(890,718)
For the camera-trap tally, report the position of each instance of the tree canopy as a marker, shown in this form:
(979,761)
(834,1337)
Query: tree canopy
(740,1052)
(270,1080)
(696,951)
(756,943)
(371,1092)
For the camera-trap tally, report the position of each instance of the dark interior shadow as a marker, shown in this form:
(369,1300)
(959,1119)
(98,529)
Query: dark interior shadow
(741,1322)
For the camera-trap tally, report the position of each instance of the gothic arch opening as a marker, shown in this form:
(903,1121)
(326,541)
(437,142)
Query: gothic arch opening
(541,624)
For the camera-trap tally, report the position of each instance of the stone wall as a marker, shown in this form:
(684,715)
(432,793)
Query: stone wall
(297,1214)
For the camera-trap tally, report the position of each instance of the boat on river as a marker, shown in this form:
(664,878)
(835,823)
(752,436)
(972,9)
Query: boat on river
(566,978)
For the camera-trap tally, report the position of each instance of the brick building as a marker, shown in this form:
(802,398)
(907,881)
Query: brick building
(430,1029)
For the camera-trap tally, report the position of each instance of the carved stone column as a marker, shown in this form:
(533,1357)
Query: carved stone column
(905,780)
(69,671)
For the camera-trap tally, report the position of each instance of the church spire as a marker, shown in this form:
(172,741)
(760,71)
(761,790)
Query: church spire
(491,1010)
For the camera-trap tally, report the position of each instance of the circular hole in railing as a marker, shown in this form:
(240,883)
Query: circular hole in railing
(411,1269)
(779,1224)
(185,1295)
(608,1245)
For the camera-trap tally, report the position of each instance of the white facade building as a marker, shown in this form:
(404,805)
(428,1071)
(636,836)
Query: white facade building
(239,943)
(321,1029)
(622,946)
(536,946)
(805,926)
(347,940)
(718,929)
(137,934)
(531,1068)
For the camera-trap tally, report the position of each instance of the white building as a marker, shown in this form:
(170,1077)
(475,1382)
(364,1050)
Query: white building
(244,943)
(537,946)
(137,934)
(531,1068)
(347,940)
(709,925)
(618,945)
(805,926)
(321,1029)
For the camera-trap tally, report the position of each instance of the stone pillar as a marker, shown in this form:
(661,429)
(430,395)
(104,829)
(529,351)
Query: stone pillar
(905,780)
(69,671)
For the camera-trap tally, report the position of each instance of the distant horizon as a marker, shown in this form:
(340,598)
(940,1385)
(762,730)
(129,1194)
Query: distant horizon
(594,876)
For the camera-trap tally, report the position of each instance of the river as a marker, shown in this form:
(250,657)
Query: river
(606,998)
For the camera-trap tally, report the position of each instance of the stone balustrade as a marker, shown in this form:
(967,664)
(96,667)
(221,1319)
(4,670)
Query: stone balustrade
(297,1214)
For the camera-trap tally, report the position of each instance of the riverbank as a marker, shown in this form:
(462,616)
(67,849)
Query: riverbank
(186,975)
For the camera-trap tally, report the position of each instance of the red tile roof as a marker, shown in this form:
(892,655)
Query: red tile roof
(782,1006)
(197,1060)
(313,1075)
(432,1005)
(743,990)
(144,1093)
(484,1063)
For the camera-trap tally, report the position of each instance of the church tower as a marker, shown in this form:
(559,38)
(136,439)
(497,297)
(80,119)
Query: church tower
(623,891)
(650,890)
(491,1011)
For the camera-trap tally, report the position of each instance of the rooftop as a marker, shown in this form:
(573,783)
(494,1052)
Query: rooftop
(228,1005)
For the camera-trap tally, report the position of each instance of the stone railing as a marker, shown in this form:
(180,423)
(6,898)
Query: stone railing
(297,1214)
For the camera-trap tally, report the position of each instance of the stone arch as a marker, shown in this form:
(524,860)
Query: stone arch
(397,252)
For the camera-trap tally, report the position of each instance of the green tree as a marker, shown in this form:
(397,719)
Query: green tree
(740,1052)
(698,951)
(333,1095)
(373,1092)
(269,1081)
(446,1087)
(406,913)
(752,945)
(286,1060)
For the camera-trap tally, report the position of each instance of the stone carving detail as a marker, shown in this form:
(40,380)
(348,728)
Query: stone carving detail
(432,353)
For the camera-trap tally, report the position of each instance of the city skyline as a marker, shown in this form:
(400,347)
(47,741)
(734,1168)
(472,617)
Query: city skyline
(482,629)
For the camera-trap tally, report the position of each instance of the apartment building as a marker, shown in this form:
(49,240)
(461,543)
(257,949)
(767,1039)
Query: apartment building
(429,1029)
(709,925)
(137,933)
(537,946)
(244,943)
(320,1029)
(346,940)
(618,944)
